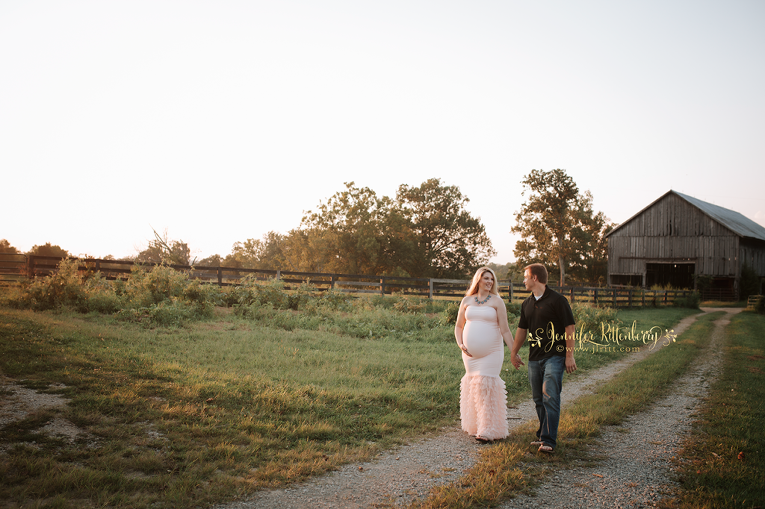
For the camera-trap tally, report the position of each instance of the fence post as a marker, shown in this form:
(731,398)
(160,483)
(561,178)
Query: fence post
(430,288)
(629,298)
(219,272)
(614,290)
(382,286)
(595,297)
(510,290)
(665,296)
(332,282)
(278,275)
(572,295)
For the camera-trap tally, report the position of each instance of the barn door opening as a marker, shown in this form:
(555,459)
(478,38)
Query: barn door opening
(679,275)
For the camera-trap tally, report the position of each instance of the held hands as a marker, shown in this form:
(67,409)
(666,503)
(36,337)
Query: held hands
(516,360)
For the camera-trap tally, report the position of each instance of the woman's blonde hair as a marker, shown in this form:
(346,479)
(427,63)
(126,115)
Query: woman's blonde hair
(477,279)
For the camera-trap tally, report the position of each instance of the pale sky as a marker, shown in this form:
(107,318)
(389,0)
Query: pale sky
(222,120)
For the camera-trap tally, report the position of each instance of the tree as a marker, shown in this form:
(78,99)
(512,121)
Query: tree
(258,254)
(49,250)
(164,250)
(353,232)
(591,263)
(211,261)
(424,232)
(448,241)
(7,248)
(558,227)
(507,271)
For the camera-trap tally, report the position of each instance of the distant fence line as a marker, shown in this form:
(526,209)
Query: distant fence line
(14,268)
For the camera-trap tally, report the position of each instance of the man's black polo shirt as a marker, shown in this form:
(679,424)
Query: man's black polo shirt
(546,320)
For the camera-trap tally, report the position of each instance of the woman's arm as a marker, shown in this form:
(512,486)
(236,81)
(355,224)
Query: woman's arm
(460,326)
(504,326)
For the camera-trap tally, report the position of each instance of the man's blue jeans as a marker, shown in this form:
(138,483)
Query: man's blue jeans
(546,378)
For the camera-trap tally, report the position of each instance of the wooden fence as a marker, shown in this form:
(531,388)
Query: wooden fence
(753,300)
(14,268)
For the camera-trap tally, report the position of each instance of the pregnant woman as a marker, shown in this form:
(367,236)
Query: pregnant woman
(480,331)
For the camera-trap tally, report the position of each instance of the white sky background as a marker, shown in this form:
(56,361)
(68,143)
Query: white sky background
(220,121)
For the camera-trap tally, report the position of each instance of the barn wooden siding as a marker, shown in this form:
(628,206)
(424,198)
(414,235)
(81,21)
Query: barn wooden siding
(674,231)
(753,255)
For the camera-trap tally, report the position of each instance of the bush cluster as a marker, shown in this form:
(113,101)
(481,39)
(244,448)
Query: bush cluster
(156,296)
(692,301)
(252,295)
(760,306)
(163,296)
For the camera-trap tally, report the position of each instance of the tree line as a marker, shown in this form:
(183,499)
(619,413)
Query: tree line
(423,231)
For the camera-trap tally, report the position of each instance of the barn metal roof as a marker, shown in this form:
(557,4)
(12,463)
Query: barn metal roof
(729,218)
(736,222)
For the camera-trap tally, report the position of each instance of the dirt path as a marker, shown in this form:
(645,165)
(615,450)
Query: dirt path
(634,467)
(399,476)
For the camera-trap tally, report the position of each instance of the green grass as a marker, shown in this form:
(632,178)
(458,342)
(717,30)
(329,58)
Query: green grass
(723,304)
(191,416)
(202,413)
(508,467)
(724,460)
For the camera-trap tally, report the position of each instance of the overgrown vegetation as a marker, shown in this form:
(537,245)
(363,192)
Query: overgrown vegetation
(160,295)
(750,282)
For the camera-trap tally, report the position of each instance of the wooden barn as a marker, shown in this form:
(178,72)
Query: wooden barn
(678,237)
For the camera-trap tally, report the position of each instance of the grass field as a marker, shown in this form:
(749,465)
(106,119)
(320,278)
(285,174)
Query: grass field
(200,413)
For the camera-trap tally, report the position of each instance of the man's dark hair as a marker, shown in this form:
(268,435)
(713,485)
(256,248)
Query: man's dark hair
(538,270)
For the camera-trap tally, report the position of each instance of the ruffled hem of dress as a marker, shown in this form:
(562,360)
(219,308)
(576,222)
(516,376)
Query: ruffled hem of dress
(483,406)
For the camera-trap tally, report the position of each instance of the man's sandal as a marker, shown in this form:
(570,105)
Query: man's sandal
(537,442)
(546,448)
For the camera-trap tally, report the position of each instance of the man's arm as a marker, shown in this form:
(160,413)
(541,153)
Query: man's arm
(520,337)
(570,344)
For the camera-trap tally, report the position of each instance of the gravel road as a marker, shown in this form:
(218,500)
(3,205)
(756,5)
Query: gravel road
(634,470)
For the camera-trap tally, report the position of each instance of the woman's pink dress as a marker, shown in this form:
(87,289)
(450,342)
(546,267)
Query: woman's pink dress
(483,398)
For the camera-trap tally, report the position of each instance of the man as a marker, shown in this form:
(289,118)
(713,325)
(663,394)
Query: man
(547,318)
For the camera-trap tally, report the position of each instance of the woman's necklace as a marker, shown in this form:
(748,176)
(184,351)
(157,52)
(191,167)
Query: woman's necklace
(484,300)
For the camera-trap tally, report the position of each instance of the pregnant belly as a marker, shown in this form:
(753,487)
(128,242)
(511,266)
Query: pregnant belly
(481,339)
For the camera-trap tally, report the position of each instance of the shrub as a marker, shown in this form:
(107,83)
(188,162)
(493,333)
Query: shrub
(147,287)
(750,282)
(450,313)
(62,288)
(159,296)
(264,293)
(164,314)
(302,296)
(335,299)
(202,298)
(691,300)
(406,304)
(589,317)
